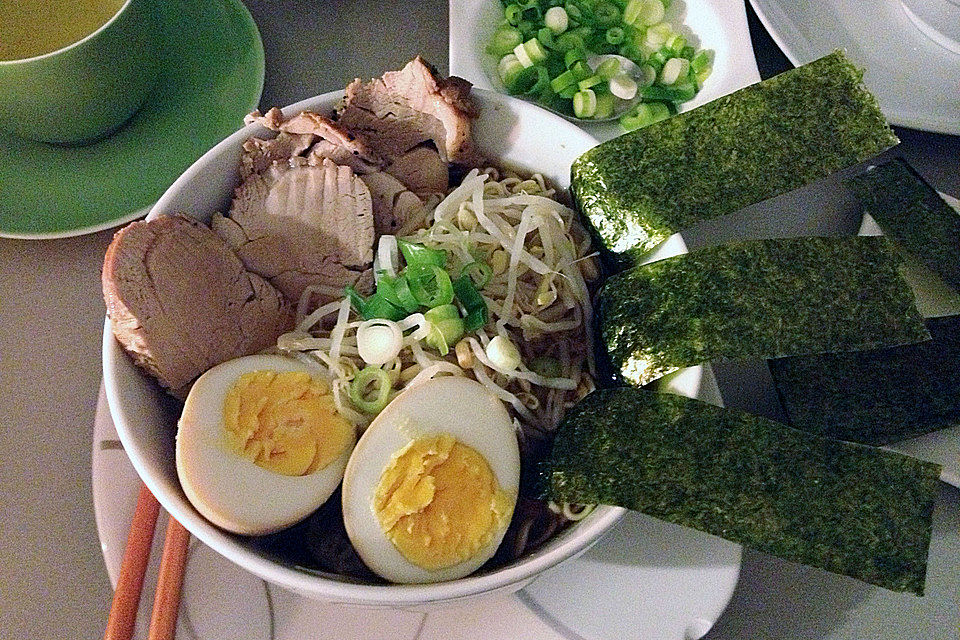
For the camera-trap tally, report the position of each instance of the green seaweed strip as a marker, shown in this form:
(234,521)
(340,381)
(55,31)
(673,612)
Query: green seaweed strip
(850,509)
(879,396)
(761,298)
(748,146)
(910,210)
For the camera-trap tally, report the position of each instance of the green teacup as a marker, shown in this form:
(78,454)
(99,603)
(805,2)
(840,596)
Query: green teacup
(87,88)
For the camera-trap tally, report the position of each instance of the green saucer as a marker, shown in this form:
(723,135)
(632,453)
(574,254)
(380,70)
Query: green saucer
(212,76)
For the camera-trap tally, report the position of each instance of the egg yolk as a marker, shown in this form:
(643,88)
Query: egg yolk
(286,422)
(439,503)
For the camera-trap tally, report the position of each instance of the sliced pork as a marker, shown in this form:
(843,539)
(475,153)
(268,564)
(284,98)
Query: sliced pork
(258,154)
(406,108)
(323,138)
(393,204)
(299,225)
(422,171)
(180,300)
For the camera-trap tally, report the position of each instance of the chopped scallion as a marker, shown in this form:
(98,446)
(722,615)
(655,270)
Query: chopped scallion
(675,69)
(623,86)
(556,20)
(644,114)
(585,103)
(367,400)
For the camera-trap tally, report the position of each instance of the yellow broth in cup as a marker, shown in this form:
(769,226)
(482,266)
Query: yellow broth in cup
(32,28)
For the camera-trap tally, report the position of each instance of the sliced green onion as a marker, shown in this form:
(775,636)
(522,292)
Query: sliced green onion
(678,93)
(379,307)
(644,114)
(568,92)
(643,12)
(446,328)
(513,13)
(572,56)
(608,68)
(623,86)
(585,104)
(396,291)
(387,259)
(441,313)
(606,14)
(701,61)
(407,300)
(564,80)
(568,40)
(417,254)
(631,51)
(676,43)
(528,28)
(473,303)
(379,341)
(647,75)
(483,271)
(522,55)
(702,75)
(503,354)
(545,37)
(556,20)
(532,13)
(360,395)
(386,289)
(581,70)
(573,12)
(376,306)
(531,81)
(357,301)
(606,104)
(592,81)
(614,35)
(430,285)
(675,69)
(688,52)
(584,31)
(508,68)
(535,50)
(505,38)
(657,35)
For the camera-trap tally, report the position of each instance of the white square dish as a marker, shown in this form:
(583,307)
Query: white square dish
(717,25)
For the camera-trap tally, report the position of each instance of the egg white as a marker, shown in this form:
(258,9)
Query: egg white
(229,490)
(458,406)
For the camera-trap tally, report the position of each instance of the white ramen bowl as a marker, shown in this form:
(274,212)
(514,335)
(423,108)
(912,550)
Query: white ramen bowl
(512,133)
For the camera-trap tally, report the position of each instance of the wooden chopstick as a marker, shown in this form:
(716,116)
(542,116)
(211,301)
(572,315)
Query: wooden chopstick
(136,557)
(126,598)
(163,621)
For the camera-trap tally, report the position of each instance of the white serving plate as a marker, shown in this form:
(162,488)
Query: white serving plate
(916,80)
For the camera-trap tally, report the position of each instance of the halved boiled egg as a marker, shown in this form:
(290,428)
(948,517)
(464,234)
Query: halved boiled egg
(260,444)
(430,487)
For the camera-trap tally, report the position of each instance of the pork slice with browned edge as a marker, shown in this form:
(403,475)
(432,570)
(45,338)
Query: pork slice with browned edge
(406,108)
(180,300)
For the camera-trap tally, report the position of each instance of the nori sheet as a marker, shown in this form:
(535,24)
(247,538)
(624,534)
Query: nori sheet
(759,298)
(847,508)
(911,211)
(878,396)
(753,144)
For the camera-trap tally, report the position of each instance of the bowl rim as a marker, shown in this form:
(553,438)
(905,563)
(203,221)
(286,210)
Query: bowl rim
(586,533)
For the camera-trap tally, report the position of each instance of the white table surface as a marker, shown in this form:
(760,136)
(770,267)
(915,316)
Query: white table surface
(53,583)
